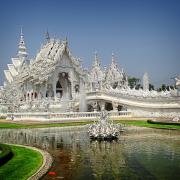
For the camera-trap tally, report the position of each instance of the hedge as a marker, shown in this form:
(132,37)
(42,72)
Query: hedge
(6,154)
(163,123)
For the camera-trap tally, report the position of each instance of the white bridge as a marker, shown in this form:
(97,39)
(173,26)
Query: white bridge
(134,101)
(139,106)
(135,107)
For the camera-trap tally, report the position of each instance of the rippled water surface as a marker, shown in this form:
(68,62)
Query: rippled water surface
(140,153)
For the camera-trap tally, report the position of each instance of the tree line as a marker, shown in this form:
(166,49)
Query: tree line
(134,82)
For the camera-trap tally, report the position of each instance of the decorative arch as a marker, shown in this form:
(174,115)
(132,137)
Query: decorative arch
(108,106)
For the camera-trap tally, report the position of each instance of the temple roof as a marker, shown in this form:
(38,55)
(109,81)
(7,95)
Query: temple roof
(113,73)
(12,70)
(96,73)
(8,76)
(16,62)
(51,56)
(47,59)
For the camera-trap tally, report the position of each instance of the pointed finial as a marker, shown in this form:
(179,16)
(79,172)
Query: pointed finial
(113,58)
(96,59)
(66,40)
(47,37)
(22,47)
(21,43)
(95,55)
(21,31)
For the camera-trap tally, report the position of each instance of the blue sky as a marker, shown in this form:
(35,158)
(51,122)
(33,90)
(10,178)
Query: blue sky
(143,34)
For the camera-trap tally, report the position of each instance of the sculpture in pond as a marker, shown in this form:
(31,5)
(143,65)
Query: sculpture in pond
(103,129)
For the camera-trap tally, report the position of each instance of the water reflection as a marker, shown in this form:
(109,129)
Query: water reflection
(46,138)
(140,153)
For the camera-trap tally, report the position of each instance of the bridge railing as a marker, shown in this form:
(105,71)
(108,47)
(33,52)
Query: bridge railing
(48,116)
(135,97)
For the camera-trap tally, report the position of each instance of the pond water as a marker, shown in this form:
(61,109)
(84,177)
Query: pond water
(139,153)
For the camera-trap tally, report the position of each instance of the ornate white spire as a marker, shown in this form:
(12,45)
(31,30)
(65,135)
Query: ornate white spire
(47,37)
(66,41)
(145,82)
(113,58)
(96,59)
(96,74)
(22,48)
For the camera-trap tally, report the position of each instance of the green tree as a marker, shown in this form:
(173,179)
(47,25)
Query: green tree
(133,81)
(151,87)
(163,87)
(138,86)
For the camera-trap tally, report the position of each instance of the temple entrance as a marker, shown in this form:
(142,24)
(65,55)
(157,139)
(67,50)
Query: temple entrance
(59,91)
(63,87)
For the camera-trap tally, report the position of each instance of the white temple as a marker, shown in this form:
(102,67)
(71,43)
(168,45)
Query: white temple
(56,82)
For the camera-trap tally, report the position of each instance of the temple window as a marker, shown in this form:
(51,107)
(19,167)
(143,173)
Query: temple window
(76,88)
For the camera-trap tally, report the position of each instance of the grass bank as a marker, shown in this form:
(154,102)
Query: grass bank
(146,124)
(45,125)
(24,163)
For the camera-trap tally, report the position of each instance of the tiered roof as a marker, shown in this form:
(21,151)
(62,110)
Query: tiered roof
(14,68)
(96,73)
(113,73)
(110,75)
(49,57)
(44,64)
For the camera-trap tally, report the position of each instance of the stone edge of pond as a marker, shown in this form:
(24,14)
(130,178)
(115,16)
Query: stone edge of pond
(47,162)
(46,165)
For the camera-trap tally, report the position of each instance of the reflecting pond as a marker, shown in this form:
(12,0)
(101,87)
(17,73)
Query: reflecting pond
(139,153)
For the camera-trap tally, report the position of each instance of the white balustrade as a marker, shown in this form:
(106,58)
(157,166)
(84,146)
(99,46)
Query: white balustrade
(48,116)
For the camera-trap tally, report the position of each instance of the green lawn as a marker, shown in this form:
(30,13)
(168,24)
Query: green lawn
(24,163)
(145,124)
(126,122)
(16,126)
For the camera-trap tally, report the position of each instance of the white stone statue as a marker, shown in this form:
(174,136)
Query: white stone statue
(177,81)
(146,82)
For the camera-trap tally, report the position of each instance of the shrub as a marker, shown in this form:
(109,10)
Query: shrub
(163,123)
(6,154)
